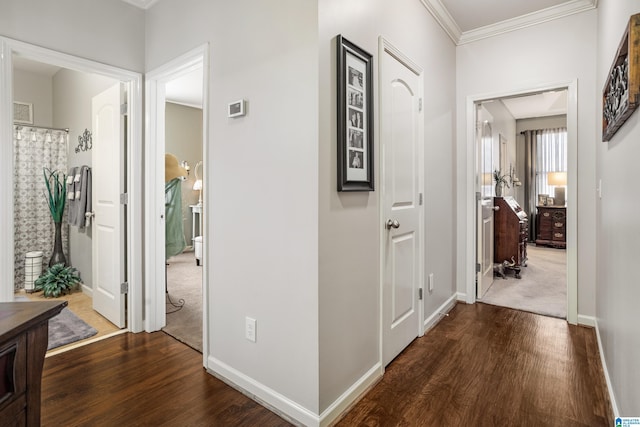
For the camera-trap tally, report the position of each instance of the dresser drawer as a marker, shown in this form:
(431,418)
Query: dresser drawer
(558,236)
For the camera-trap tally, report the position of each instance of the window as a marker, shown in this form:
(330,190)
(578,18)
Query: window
(551,148)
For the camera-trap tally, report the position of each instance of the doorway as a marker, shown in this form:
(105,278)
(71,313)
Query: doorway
(128,251)
(534,261)
(191,67)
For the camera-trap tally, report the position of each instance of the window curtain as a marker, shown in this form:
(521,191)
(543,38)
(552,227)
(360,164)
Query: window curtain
(33,150)
(545,151)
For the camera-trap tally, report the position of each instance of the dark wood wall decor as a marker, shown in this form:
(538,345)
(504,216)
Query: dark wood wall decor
(621,92)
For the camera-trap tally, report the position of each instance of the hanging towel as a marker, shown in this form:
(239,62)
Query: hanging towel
(174,232)
(80,200)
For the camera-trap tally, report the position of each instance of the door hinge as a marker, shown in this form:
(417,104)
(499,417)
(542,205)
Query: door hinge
(477,267)
(124,287)
(478,197)
(124,109)
(124,198)
(420,199)
(419,104)
(419,293)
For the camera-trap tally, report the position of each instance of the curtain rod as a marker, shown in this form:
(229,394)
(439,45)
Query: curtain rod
(25,126)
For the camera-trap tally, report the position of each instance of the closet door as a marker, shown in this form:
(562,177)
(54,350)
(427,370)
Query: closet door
(108,230)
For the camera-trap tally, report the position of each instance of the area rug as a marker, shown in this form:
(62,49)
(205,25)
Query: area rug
(184,282)
(67,328)
(542,288)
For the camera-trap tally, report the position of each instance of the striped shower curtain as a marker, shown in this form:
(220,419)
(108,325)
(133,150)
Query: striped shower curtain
(33,150)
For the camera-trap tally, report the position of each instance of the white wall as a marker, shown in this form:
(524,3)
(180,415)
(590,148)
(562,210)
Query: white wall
(262,184)
(111,32)
(565,50)
(617,287)
(38,90)
(183,139)
(349,222)
(503,124)
(72,95)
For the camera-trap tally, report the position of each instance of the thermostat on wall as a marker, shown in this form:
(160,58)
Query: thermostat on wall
(236,109)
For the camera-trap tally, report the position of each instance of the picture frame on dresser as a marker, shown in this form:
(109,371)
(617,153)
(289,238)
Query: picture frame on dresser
(355,117)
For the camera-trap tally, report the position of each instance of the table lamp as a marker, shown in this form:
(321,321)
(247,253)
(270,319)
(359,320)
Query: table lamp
(558,180)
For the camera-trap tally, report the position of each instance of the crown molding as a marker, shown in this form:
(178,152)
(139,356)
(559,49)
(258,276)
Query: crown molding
(142,4)
(444,18)
(446,21)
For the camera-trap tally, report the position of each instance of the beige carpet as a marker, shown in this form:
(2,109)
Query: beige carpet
(184,282)
(542,288)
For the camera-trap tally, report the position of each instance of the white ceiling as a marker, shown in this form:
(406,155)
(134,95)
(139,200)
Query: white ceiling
(552,103)
(186,90)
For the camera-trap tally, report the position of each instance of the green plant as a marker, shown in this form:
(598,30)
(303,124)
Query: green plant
(57,280)
(57,192)
(501,179)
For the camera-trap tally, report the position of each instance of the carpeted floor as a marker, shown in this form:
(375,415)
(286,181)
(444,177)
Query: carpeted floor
(542,288)
(184,281)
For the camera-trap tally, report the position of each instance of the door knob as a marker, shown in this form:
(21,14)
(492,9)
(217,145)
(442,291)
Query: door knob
(392,223)
(496,208)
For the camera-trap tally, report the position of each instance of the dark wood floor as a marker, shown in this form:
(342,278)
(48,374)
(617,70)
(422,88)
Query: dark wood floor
(481,366)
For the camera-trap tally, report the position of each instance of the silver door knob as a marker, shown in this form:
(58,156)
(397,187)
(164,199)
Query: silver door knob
(392,223)
(89,215)
(496,208)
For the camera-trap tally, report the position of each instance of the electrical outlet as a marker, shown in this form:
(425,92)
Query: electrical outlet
(430,282)
(250,329)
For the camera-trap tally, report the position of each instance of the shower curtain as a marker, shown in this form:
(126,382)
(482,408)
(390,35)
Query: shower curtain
(33,150)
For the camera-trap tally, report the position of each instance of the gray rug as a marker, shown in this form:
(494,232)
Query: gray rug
(542,289)
(66,328)
(184,281)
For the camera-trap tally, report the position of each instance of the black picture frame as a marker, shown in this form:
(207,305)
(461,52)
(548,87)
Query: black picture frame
(355,117)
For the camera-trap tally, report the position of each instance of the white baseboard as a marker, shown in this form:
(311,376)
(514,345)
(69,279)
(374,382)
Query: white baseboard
(352,395)
(438,314)
(267,397)
(87,290)
(586,320)
(612,397)
(461,296)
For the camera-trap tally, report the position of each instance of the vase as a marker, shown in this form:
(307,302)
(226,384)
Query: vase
(57,257)
(498,190)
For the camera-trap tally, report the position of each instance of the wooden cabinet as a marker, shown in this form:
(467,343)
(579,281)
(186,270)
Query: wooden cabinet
(511,231)
(24,336)
(551,226)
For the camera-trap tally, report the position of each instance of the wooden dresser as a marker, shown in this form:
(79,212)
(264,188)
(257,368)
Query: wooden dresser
(551,226)
(511,231)
(24,336)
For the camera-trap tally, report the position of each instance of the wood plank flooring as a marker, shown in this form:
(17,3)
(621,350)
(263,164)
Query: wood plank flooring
(491,366)
(481,366)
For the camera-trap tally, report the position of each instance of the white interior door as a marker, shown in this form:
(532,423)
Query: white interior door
(401,170)
(485,208)
(108,230)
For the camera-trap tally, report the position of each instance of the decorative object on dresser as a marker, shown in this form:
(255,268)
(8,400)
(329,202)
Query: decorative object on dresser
(559,181)
(551,226)
(621,92)
(511,230)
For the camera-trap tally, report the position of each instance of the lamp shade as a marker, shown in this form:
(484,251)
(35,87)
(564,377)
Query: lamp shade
(197,185)
(557,178)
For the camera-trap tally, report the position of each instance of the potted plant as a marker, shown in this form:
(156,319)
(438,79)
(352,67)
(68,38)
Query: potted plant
(501,180)
(57,197)
(57,280)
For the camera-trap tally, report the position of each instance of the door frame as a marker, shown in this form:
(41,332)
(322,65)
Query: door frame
(133,81)
(385,46)
(154,194)
(469,226)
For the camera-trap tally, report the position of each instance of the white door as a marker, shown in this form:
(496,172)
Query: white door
(401,171)
(485,208)
(108,230)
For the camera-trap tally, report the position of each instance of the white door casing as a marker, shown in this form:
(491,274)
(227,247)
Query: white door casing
(108,231)
(401,124)
(485,208)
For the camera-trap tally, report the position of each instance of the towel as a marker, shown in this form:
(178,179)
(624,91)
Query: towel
(80,198)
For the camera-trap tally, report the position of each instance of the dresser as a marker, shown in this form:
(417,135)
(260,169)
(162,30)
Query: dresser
(23,343)
(511,231)
(551,226)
